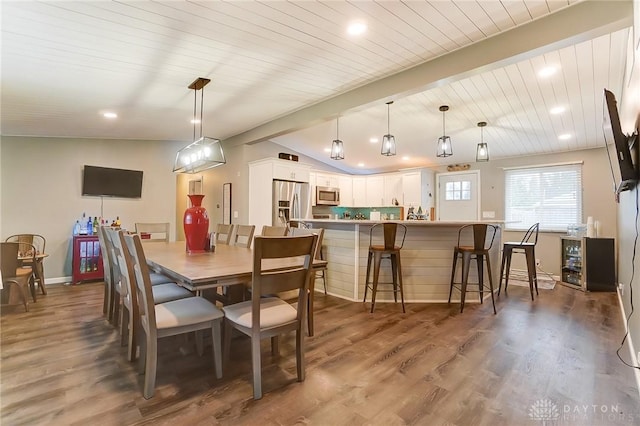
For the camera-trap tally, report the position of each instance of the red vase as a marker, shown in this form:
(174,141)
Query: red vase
(196,225)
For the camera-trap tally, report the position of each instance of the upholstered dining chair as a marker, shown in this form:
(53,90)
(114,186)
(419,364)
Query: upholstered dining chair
(124,277)
(243,237)
(263,316)
(39,244)
(274,231)
(224,233)
(153,232)
(13,274)
(170,318)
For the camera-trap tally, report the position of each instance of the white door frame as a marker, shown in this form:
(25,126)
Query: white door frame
(466,172)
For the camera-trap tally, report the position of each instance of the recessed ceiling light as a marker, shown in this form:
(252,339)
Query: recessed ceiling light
(564,136)
(327,150)
(405,158)
(110,115)
(195,121)
(360,164)
(356,28)
(548,71)
(557,110)
(373,140)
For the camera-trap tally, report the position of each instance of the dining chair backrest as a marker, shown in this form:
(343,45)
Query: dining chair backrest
(110,254)
(387,233)
(296,232)
(144,295)
(106,265)
(531,236)
(483,235)
(243,236)
(274,231)
(38,241)
(224,233)
(9,259)
(153,232)
(121,272)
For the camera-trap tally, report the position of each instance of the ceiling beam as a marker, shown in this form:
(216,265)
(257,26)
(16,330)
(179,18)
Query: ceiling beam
(577,23)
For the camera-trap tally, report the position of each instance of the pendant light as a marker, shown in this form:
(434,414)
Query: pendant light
(482,153)
(337,149)
(388,140)
(203,153)
(444,149)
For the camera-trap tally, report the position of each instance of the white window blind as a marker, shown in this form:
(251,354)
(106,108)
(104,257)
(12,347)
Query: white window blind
(550,195)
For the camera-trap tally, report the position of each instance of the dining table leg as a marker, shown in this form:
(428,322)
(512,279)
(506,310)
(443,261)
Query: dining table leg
(39,271)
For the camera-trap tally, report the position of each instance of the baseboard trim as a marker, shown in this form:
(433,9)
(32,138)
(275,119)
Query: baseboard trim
(632,350)
(58,280)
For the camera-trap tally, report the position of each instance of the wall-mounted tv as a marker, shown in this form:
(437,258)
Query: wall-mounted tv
(626,146)
(108,182)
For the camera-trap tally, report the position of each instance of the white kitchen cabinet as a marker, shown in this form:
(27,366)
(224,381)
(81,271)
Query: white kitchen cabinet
(312,187)
(345,183)
(375,191)
(290,170)
(392,188)
(418,189)
(330,181)
(359,192)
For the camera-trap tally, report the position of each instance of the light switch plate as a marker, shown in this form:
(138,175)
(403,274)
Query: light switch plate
(488,215)
(235,214)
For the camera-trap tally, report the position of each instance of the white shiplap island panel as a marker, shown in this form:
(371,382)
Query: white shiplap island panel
(427,257)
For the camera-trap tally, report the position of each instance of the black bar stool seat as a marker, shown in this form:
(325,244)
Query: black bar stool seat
(388,250)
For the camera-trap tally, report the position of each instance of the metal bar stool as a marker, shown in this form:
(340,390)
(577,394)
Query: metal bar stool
(528,247)
(388,250)
(478,251)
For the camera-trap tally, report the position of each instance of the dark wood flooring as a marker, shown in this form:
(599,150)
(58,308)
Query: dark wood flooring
(61,364)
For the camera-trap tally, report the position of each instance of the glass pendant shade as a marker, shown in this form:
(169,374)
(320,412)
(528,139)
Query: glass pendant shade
(482,152)
(388,141)
(388,145)
(205,152)
(445,147)
(337,148)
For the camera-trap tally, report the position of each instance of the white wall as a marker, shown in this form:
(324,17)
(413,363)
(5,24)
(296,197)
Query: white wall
(41,181)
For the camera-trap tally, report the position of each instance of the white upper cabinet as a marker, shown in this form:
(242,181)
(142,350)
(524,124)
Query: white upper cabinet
(327,180)
(345,183)
(375,191)
(359,191)
(312,187)
(290,170)
(392,189)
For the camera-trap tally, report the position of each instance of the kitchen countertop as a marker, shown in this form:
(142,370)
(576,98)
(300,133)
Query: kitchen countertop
(404,222)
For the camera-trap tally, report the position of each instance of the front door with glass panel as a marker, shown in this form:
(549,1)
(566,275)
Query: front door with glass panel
(458,195)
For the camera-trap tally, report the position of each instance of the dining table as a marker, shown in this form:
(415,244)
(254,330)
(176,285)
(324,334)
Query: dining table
(226,266)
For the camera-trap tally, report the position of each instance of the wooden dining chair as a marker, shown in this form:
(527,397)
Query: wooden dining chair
(39,243)
(274,231)
(153,232)
(224,233)
(320,274)
(243,236)
(169,319)
(109,289)
(264,316)
(124,275)
(12,274)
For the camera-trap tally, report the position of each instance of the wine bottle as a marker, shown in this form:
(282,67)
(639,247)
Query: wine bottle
(83,225)
(95,225)
(89,226)
(76,228)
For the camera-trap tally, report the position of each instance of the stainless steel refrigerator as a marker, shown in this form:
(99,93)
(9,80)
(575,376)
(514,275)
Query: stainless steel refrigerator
(290,200)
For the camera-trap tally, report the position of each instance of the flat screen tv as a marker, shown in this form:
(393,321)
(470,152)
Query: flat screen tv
(626,147)
(108,182)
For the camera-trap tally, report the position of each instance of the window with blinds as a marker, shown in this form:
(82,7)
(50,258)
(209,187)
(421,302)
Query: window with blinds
(550,195)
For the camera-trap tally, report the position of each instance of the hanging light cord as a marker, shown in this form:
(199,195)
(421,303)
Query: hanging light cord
(195,98)
(388,119)
(443,132)
(338,128)
(201,108)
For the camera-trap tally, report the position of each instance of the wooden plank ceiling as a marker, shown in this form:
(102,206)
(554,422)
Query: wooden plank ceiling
(65,63)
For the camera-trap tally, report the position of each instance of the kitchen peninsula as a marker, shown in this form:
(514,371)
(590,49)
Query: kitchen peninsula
(427,257)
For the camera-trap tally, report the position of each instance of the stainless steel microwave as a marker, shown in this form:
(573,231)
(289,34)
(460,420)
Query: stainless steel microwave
(326,196)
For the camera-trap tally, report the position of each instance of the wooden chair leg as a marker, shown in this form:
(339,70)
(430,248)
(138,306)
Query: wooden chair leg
(256,367)
(300,354)
(217,347)
(226,346)
(150,367)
